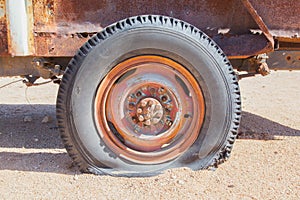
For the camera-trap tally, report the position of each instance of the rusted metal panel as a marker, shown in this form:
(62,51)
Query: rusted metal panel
(55,44)
(72,16)
(241,46)
(3,29)
(27,65)
(280,16)
(59,28)
(58,23)
(284,60)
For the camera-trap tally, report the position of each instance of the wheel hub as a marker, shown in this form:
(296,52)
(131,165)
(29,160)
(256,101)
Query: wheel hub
(149,111)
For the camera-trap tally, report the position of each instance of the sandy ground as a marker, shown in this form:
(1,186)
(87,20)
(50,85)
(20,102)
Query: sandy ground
(265,163)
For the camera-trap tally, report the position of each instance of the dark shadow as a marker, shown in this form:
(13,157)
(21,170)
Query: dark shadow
(38,162)
(21,126)
(36,146)
(258,128)
(28,143)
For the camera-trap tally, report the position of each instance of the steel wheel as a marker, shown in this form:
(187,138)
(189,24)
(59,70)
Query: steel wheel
(149,109)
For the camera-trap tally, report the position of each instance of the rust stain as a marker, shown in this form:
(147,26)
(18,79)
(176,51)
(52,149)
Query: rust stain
(30,22)
(3,29)
(51,44)
(284,60)
(43,12)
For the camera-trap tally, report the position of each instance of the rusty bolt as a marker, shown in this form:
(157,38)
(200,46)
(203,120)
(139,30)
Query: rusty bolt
(263,69)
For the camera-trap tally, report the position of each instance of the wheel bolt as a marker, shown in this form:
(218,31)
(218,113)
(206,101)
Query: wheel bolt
(143,103)
(147,116)
(161,90)
(141,118)
(150,102)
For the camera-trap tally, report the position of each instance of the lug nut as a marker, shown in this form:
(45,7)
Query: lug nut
(143,103)
(161,90)
(150,103)
(148,116)
(141,118)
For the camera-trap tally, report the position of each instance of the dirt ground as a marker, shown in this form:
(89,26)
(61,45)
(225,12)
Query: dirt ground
(265,162)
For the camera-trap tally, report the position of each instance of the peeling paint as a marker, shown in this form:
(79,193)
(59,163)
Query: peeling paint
(2,8)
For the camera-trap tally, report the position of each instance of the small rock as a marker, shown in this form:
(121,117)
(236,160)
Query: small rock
(27,119)
(173,177)
(75,177)
(47,119)
(180,182)
(36,140)
(230,186)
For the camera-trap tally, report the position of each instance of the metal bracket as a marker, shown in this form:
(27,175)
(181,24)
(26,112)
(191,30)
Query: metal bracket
(254,65)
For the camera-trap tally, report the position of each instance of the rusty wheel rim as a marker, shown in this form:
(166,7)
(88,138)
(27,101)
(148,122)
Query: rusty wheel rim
(149,109)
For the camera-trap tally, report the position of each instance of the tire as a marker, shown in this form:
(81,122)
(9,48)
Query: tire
(146,94)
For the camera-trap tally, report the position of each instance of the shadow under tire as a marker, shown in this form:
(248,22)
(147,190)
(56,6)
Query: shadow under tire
(146,94)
